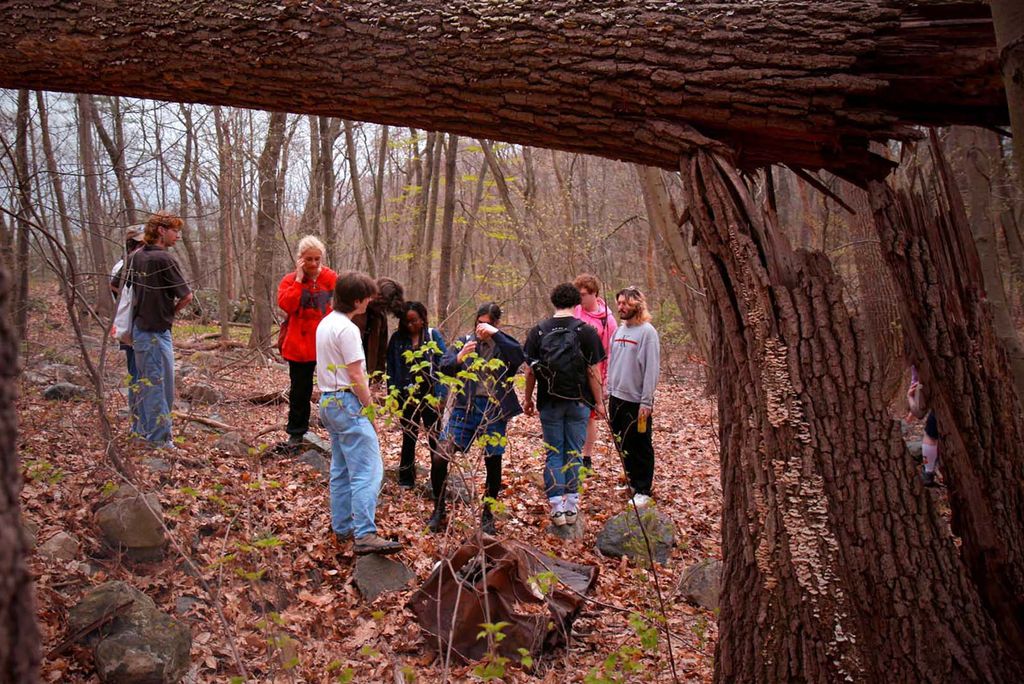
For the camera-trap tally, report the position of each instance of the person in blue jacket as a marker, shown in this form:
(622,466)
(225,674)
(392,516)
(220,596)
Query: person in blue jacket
(412,377)
(481,407)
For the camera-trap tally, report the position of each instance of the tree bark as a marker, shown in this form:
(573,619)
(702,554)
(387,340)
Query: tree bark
(314,200)
(970,387)
(800,82)
(267,221)
(424,167)
(116,154)
(57,183)
(226,194)
(378,198)
(1008,20)
(93,220)
(836,565)
(19,634)
(357,196)
(24,213)
(444,274)
(330,128)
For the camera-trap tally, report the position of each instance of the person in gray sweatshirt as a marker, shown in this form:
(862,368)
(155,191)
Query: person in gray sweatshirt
(633,369)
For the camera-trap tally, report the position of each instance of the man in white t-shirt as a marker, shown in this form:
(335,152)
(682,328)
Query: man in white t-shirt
(356,467)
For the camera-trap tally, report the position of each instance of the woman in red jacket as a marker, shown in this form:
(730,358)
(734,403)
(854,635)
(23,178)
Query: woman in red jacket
(305,296)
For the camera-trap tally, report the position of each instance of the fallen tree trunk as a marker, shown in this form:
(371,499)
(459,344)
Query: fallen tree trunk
(799,82)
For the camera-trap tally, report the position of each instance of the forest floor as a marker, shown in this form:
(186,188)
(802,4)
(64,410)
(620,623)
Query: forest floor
(290,610)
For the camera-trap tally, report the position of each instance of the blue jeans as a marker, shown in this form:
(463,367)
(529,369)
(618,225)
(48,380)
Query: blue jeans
(154,360)
(466,425)
(564,424)
(357,470)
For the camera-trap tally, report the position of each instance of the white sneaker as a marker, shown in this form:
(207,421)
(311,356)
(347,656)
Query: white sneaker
(558,519)
(570,517)
(642,500)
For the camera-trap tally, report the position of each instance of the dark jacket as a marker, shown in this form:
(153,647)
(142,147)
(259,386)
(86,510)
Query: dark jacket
(399,373)
(508,350)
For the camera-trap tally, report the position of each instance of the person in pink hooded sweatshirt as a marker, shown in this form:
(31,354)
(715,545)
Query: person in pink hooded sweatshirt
(594,311)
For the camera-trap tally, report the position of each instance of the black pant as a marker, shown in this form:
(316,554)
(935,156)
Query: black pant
(415,412)
(439,472)
(637,448)
(301,392)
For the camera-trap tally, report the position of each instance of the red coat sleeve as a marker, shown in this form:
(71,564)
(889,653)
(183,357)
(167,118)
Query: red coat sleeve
(289,294)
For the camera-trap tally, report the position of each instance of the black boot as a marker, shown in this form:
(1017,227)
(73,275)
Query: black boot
(437,518)
(487,520)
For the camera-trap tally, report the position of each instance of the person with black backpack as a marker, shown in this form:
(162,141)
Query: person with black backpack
(563,355)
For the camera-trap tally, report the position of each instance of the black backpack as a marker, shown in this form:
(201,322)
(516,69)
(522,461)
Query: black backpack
(561,366)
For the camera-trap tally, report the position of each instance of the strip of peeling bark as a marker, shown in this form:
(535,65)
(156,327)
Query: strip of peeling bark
(802,82)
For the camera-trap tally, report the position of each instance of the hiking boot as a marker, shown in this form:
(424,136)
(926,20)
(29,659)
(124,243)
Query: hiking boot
(437,518)
(558,519)
(487,521)
(371,543)
(342,538)
(928,478)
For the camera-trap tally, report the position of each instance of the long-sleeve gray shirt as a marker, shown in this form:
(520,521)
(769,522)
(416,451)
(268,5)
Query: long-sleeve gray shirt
(635,362)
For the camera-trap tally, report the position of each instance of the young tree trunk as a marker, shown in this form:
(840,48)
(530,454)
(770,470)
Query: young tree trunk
(226,197)
(836,564)
(1008,20)
(116,154)
(378,198)
(189,235)
(357,196)
(806,83)
(683,278)
(19,647)
(24,213)
(330,128)
(424,169)
(57,183)
(93,221)
(267,221)
(444,274)
(314,200)
(427,248)
(970,387)
(467,235)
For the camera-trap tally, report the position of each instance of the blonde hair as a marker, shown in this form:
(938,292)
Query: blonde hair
(311,242)
(588,282)
(634,296)
(158,220)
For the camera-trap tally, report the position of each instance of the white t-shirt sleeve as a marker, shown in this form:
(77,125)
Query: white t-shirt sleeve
(350,345)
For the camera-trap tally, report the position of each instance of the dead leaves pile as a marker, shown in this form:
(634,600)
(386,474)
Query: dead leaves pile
(265,586)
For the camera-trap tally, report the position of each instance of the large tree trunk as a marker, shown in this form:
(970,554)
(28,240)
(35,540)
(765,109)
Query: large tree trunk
(19,635)
(970,387)
(267,221)
(836,565)
(802,82)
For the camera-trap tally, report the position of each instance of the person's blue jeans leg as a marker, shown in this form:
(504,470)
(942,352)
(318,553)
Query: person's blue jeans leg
(576,417)
(553,426)
(154,359)
(356,467)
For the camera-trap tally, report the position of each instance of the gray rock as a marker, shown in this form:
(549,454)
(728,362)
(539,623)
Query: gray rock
(30,531)
(64,391)
(702,583)
(374,575)
(313,459)
(141,644)
(184,604)
(157,465)
(202,393)
(64,372)
(62,546)
(36,378)
(316,442)
(623,536)
(456,489)
(231,443)
(127,522)
(574,531)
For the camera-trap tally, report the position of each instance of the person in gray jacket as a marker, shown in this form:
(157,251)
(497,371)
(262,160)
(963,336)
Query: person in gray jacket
(633,369)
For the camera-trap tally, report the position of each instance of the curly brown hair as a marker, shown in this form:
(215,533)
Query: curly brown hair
(161,219)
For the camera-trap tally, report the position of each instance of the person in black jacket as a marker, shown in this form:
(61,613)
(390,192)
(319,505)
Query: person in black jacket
(481,408)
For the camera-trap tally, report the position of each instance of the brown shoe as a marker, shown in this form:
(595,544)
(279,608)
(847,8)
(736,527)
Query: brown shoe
(371,543)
